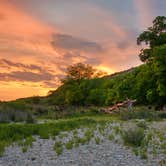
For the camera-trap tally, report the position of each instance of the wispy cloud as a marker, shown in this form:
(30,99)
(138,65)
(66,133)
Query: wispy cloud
(68,42)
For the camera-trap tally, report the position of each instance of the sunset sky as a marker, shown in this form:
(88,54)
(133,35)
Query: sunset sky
(40,38)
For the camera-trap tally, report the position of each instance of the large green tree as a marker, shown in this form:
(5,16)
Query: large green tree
(154,36)
(81,71)
(159,54)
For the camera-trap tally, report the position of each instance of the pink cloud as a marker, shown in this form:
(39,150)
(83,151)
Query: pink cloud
(144,11)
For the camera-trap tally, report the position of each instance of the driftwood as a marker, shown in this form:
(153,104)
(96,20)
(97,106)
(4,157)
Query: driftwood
(117,106)
(114,107)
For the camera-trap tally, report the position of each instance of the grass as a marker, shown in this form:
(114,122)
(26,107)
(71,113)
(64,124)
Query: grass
(136,137)
(10,133)
(58,147)
(133,136)
(24,149)
(142,113)
(142,124)
(111,137)
(69,145)
(2,147)
(97,140)
(143,153)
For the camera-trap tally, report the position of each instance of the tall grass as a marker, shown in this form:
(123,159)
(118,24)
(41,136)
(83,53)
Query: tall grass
(14,132)
(133,136)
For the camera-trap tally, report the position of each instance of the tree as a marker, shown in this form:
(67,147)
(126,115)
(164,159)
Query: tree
(97,97)
(159,54)
(153,36)
(80,71)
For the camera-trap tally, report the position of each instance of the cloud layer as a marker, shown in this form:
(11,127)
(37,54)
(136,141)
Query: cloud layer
(69,42)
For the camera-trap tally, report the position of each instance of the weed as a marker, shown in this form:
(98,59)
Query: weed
(97,140)
(111,137)
(88,135)
(2,147)
(69,145)
(133,136)
(143,154)
(142,124)
(136,151)
(24,149)
(117,129)
(58,147)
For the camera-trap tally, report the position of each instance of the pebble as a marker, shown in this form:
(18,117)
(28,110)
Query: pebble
(107,153)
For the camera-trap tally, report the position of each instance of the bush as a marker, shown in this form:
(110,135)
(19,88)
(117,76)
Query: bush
(58,147)
(30,119)
(2,147)
(69,145)
(142,124)
(133,136)
(12,116)
(97,140)
(161,115)
(139,114)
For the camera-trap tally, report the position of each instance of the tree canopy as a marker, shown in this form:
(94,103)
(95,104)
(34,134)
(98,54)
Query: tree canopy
(80,71)
(154,36)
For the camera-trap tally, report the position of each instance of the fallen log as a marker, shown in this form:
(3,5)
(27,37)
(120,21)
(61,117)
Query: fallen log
(114,107)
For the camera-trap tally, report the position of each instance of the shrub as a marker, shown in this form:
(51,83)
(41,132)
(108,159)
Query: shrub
(58,147)
(69,145)
(2,147)
(141,114)
(142,124)
(24,149)
(111,137)
(143,154)
(161,115)
(133,136)
(97,140)
(30,119)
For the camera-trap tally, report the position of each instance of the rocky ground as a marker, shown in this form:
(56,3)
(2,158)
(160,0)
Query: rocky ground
(100,150)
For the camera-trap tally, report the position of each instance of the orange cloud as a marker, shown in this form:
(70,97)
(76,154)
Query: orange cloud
(17,22)
(30,64)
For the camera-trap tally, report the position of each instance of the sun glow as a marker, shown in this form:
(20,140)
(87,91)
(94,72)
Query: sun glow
(105,69)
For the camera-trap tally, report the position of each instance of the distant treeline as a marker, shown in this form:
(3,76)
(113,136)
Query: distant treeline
(140,84)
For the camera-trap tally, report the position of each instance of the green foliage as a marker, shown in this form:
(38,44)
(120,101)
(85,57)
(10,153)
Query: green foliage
(69,145)
(159,54)
(80,71)
(24,149)
(30,119)
(140,114)
(140,83)
(97,97)
(2,147)
(133,136)
(143,154)
(58,147)
(10,133)
(154,36)
(142,124)
(97,140)
(111,137)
